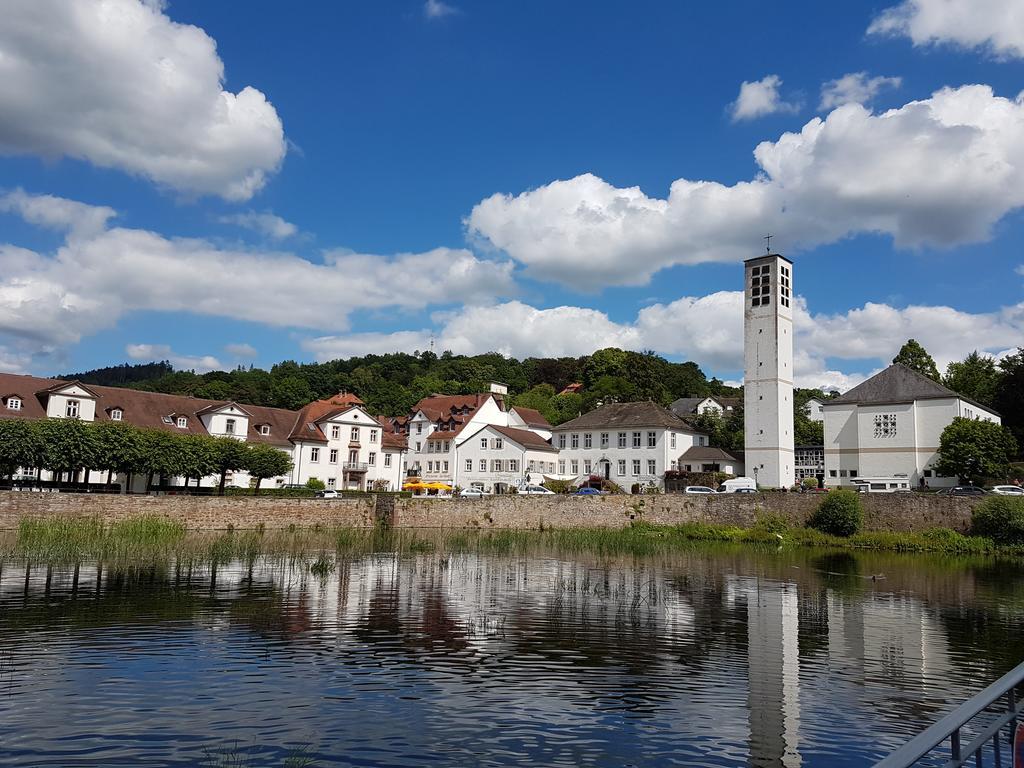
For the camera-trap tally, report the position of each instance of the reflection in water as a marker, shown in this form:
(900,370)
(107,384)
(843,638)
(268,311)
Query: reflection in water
(708,656)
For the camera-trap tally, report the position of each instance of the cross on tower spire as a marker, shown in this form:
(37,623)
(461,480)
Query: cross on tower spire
(768,243)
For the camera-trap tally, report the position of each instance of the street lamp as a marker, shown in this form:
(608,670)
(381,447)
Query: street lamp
(755,476)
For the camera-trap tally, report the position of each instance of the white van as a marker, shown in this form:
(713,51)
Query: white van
(895,484)
(738,485)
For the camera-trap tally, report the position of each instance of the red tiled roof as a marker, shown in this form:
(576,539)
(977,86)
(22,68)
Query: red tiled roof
(525,438)
(444,406)
(533,418)
(306,425)
(572,389)
(394,441)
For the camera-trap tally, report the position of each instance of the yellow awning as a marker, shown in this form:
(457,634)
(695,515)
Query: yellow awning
(438,486)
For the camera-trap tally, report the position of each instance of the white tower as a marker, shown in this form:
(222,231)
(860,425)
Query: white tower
(768,370)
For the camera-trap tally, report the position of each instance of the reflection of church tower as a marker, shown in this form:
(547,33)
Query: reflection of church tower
(768,370)
(774,674)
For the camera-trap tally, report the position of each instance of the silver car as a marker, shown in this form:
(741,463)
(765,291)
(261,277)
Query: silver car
(1008,490)
(698,489)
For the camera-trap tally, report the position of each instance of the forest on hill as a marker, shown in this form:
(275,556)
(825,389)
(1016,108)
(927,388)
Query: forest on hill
(391,384)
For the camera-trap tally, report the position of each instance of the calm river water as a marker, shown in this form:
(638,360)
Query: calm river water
(708,656)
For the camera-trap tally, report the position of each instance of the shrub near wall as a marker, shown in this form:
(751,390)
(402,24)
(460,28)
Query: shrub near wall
(1000,518)
(839,514)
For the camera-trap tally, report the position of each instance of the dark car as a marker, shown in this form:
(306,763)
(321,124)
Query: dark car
(588,492)
(966,490)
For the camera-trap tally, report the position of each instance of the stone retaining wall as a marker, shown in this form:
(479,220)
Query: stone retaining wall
(891,512)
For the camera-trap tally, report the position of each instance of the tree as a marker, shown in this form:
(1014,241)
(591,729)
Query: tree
(723,431)
(197,457)
(263,461)
(916,358)
(972,449)
(20,445)
(162,454)
(68,445)
(228,456)
(119,448)
(1009,398)
(976,377)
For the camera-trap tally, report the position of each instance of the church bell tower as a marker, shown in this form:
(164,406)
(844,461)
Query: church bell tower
(768,370)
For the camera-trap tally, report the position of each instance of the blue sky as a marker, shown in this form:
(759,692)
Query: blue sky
(350,200)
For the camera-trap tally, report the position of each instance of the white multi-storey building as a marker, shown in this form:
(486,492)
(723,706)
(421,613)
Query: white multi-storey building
(627,443)
(890,425)
(814,409)
(768,370)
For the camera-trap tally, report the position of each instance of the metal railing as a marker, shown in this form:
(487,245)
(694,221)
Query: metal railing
(355,466)
(991,734)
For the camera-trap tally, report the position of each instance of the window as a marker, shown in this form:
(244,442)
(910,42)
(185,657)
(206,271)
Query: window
(927,473)
(331,482)
(622,439)
(574,467)
(419,428)
(831,473)
(483,465)
(335,432)
(182,422)
(430,466)
(842,473)
(672,440)
(498,443)
(885,425)
(314,454)
(71,409)
(418,446)
(561,440)
(561,466)
(387,459)
(354,435)
(588,440)
(14,403)
(445,464)
(332,457)
(604,439)
(229,426)
(760,285)
(495,465)
(652,439)
(469,465)
(622,467)
(575,441)
(636,439)
(353,457)
(483,443)
(373,435)
(636,466)
(168,420)
(447,444)
(853,473)
(115,415)
(784,298)
(586,466)
(513,465)
(701,440)
(532,466)
(264,429)
(652,467)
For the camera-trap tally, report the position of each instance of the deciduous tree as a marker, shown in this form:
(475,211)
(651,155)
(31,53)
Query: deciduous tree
(263,461)
(916,358)
(972,449)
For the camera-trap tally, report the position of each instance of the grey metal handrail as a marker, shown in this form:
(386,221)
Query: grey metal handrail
(948,727)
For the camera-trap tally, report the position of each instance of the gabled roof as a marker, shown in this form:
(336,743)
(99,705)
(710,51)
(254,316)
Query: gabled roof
(214,407)
(626,415)
(897,384)
(444,406)
(531,441)
(685,406)
(706,453)
(532,418)
(307,422)
(65,385)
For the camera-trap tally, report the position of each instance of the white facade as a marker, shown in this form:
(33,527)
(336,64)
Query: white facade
(814,409)
(768,370)
(891,439)
(71,402)
(624,455)
(493,459)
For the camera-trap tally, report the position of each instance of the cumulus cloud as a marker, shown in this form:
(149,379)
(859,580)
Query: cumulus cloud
(197,363)
(241,350)
(759,98)
(91,281)
(936,172)
(995,25)
(266,223)
(436,9)
(117,84)
(854,88)
(57,212)
(706,329)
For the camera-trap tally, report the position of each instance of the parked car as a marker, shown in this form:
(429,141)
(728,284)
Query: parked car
(736,484)
(698,489)
(966,490)
(474,493)
(589,492)
(535,490)
(744,490)
(330,493)
(1008,490)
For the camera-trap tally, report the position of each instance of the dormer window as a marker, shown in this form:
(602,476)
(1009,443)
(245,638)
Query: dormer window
(116,414)
(168,420)
(229,427)
(264,429)
(182,422)
(72,408)
(14,403)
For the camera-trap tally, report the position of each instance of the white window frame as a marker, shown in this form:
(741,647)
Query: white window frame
(72,408)
(332,456)
(371,459)
(622,468)
(483,443)
(182,422)
(354,435)
(469,465)
(483,465)
(387,459)
(652,439)
(588,440)
(652,467)
(637,439)
(229,426)
(604,439)
(622,439)
(561,440)
(373,435)
(14,403)
(335,432)
(116,414)
(264,429)
(574,440)
(314,455)
(636,467)
(574,466)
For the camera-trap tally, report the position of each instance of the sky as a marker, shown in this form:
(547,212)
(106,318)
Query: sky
(219,184)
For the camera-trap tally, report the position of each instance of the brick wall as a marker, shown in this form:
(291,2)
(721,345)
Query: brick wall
(894,512)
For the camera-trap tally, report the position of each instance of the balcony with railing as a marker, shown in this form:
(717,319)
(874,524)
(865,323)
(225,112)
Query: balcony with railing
(355,466)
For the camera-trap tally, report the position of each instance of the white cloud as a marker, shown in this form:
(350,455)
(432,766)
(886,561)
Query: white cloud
(705,329)
(854,88)
(155,352)
(57,212)
(759,98)
(90,282)
(936,172)
(118,84)
(995,25)
(436,9)
(265,223)
(241,350)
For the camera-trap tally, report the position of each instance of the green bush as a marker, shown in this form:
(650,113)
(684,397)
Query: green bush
(838,514)
(1000,518)
(315,484)
(809,482)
